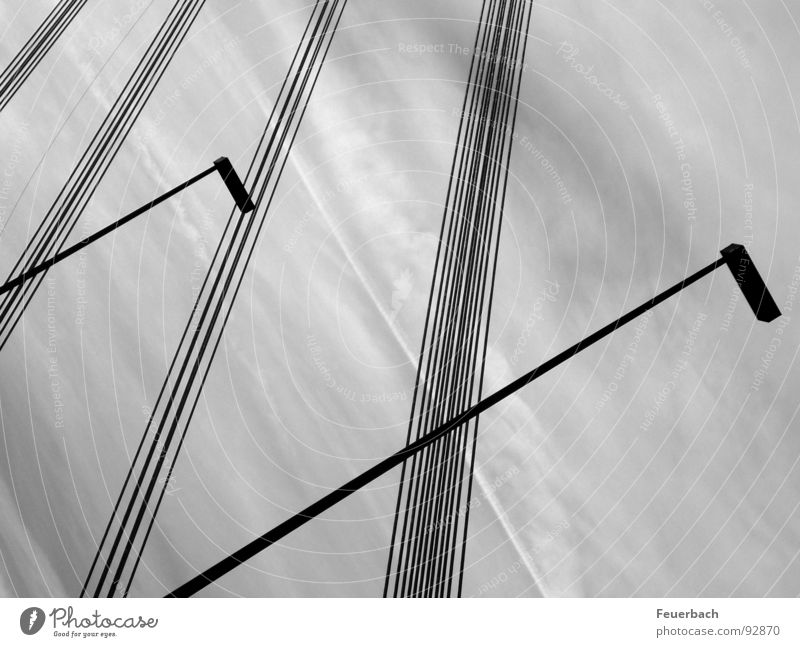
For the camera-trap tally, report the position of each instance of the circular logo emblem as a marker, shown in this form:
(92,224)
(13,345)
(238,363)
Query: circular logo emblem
(31,620)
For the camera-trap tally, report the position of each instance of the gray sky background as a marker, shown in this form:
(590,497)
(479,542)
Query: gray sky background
(663,461)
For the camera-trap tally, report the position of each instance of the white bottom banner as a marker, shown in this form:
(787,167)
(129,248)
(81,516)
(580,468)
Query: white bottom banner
(401,622)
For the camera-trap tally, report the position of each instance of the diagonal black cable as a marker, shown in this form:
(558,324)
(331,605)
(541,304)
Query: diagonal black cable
(63,255)
(291,524)
(188,368)
(207,335)
(51,225)
(203,350)
(482,199)
(433,364)
(193,375)
(520,61)
(79,174)
(437,515)
(36,47)
(487,202)
(186,331)
(483,203)
(464,383)
(73,197)
(215,316)
(456,324)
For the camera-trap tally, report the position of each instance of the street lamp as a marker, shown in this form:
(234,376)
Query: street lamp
(734,256)
(221,165)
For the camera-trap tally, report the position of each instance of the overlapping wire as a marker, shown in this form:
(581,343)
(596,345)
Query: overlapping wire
(53,231)
(36,47)
(132,520)
(430,529)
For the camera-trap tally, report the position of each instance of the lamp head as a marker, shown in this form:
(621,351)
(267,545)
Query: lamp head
(234,184)
(752,285)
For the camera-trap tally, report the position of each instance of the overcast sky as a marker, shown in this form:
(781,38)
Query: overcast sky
(663,461)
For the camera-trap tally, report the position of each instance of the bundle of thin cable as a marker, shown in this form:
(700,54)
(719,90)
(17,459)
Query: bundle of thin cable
(36,47)
(430,527)
(53,231)
(133,518)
